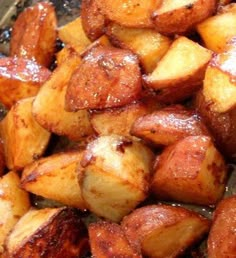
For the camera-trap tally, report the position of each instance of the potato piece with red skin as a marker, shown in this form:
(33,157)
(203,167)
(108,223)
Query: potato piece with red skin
(168,125)
(222,238)
(107,77)
(163,231)
(34,34)
(190,171)
(108,240)
(20,78)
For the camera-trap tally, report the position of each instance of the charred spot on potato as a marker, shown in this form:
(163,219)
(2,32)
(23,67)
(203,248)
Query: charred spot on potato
(121,146)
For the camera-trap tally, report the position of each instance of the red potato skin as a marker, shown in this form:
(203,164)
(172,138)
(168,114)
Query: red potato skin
(107,77)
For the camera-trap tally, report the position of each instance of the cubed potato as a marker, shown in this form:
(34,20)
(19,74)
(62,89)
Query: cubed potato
(221,125)
(57,232)
(148,44)
(73,34)
(219,88)
(34,34)
(182,67)
(115,178)
(92,18)
(14,203)
(217,30)
(108,240)
(133,13)
(222,237)
(49,105)
(190,171)
(20,78)
(168,125)
(23,138)
(180,17)
(59,173)
(163,231)
(117,120)
(107,77)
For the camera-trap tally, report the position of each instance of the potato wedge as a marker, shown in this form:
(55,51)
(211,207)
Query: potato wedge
(133,13)
(34,34)
(48,106)
(182,67)
(59,173)
(48,232)
(168,125)
(20,78)
(92,18)
(115,176)
(14,203)
(180,17)
(108,240)
(190,171)
(107,77)
(163,231)
(148,44)
(222,238)
(219,88)
(24,140)
(221,125)
(217,30)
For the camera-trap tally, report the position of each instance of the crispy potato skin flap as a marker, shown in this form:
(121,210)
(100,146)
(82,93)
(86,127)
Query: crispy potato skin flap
(107,77)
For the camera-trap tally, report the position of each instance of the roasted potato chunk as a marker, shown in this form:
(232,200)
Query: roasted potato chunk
(182,67)
(48,106)
(163,231)
(190,171)
(14,203)
(108,240)
(34,34)
(148,44)
(222,237)
(107,77)
(20,78)
(57,232)
(133,13)
(115,176)
(92,18)
(219,88)
(24,140)
(180,17)
(168,125)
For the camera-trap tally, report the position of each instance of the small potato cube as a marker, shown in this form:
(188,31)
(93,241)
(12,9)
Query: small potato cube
(108,240)
(222,238)
(20,78)
(148,44)
(168,125)
(180,17)
(59,173)
(219,88)
(92,18)
(190,171)
(107,77)
(34,34)
(182,67)
(115,176)
(49,105)
(217,30)
(24,140)
(163,231)
(48,232)
(14,203)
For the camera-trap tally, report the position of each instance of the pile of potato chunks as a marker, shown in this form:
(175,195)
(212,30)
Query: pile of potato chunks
(149,88)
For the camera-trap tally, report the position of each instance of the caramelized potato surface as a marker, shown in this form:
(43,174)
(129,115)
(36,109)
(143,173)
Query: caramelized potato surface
(107,77)
(20,78)
(34,34)
(163,231)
